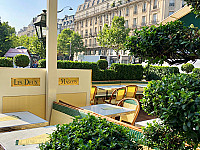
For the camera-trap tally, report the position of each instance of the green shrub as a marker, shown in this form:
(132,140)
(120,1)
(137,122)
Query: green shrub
(157,72)
(187,67)
(6,62)
(91,133)
(42,63)
(128,72)
(162,136)
(176,100)
(102,64)
(21,60)
(196,70)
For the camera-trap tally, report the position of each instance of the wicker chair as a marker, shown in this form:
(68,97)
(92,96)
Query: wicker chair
(131,91)
(130,103)
(117,95)
(93,92)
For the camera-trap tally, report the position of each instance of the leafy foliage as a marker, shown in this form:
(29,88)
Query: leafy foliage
(195,6)
(102,64)
(64,40)
(162,136)
(173,43)
(6,62)
(176,100)
(33,44)
(196,70)
(91,133)
(117,71)
(187,67)
(114,36)
(21,60)
(128,72)
(157,72)
(6,34)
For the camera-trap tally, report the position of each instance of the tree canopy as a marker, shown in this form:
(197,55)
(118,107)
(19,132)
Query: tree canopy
(173,43)
(195,6)
(64,40)
(114,36)
(33,44)
(6,34)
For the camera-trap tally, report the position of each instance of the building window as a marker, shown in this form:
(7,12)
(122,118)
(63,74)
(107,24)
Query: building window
(96,20)
(144,7)
(81,23)
(107,5)
(126,23)
(90,42)
(82,33)
(93,3)
(86,22)
(91,21)
(154,21)
(135,9)
(95,31)
(143,20)
(100,19)
(127,11)
(88,5)
(171,3)
(86,33)
(95,41)
(90,31)
(97,1)
(155,4)
(120,13)
(85,42)
(134,22)
(106,17)
(100,28)
(170,13)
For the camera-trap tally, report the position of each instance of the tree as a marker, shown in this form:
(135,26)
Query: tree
(6,32)
(33,44)
(114,36)
(195,6)
(172,43)
(66,37)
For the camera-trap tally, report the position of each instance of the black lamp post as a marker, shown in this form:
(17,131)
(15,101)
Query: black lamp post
(40,25)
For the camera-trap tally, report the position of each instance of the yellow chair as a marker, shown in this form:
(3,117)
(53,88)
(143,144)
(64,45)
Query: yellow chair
(93,92)
(131,91)
(119,92)
(130,103)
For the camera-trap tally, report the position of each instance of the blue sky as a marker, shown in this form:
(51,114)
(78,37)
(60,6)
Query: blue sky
(19,13)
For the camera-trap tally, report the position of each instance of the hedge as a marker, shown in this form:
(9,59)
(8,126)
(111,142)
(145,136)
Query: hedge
(128,72)
(133,72)
(6,62)
(157,72)
(196,70)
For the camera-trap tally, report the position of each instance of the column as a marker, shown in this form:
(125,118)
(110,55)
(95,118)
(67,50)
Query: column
(51,56)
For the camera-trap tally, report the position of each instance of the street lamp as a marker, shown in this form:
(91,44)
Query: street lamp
(40,25)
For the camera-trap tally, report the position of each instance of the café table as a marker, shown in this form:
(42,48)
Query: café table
(20,120)
(28,139)
(109,110)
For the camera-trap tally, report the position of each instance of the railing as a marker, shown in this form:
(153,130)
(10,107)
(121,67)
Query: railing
(134,26)
(86,35)
(135,12)
(154,21)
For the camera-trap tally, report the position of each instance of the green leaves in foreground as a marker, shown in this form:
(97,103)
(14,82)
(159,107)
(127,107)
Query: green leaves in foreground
(90,133)
(176,101)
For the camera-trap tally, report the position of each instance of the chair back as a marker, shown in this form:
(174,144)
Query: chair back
(120,93)
(93,92)
(130,103)
(131,91)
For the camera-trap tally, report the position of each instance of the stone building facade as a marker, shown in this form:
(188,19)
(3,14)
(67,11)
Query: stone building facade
(66,22)
(91,16)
